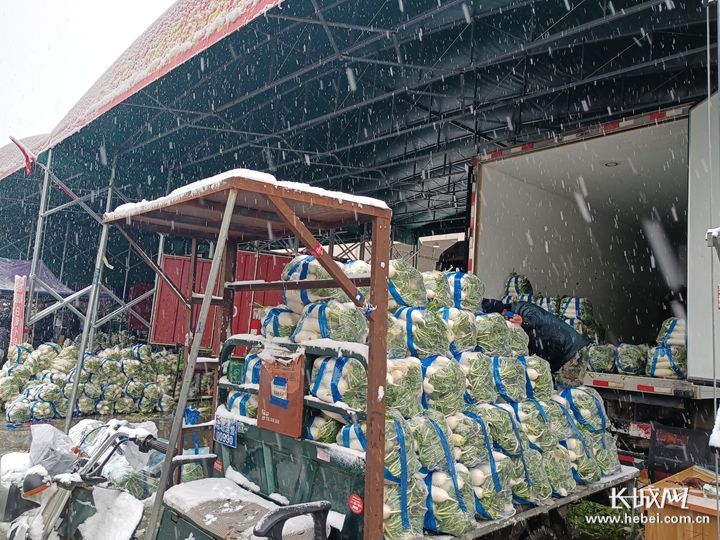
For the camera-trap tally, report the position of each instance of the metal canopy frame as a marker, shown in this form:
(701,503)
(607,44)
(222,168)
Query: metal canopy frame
(234,205)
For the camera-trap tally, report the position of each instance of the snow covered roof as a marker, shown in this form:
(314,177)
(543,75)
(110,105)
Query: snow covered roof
(199,206)
(187,28)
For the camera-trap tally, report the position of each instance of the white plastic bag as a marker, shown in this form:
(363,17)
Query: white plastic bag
(51,448)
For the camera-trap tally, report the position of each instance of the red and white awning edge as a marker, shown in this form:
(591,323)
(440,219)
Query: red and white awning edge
(186,29)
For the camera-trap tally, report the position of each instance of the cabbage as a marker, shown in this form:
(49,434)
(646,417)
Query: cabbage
(415,497)
(91,390)
(67,390)
(672,332)
(517,284)
(19,372)
(166,404)
(407,287)
(42,410)
(340,322)
(605,451)
(61,406)
(92,363)
(425,332)
(279,321)
(535,424)
(98,378)
(322,428)
(668,361)
(152,392)
(468,440)
(510,378)
(539,375)
(18,411)
(631,359)
(404,386)
(572,307)
(558,467)
(251,369)
(492,493)
(429,430)
(587,407)
(444,384)
(146,405)
(307,268)
(519,340)
(112,392)
(450,504)
(9,388)
(43,392)
(142,353)
(530,483)
(478,368)
(493,334)
(466,291)
(55,377)
(124,405)
(104,407)
(134,389)
(462,329)
(19,353)
(438,290)
(396,343)
(600,358)
(503,428)
(110,367)
(42,357)
(85,405)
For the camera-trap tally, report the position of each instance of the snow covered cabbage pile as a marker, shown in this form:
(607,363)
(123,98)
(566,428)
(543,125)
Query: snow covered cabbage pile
(466,291)
(573,307)
(510,378)
(493,334)
(529,481)
(322,428)
(539,377)
(307,268)
(462,329)
(631,359)
(673,332)
(519,340)
(444,384)
(279,321)
(334,320)
(438,289)
(478,369)
(667,361)
(425,332)
(516,285)
(600,358)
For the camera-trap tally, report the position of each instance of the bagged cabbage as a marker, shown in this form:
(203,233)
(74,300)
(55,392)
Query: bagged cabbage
(503,428)
(142,352)
(9,388)
(530,484)
(444,384)
(450,506)
(112,392)
(535,423)
(438,290)
(425,332)
(165,362)
(91,390)
(18,411)
(478,369)
(548,303)
(98,378)
(124,405)
(251,369)
(539,377)
(403,521)
(18,354)
(352,436)
(600,358)
(431,436)
(401,462)
(585,469)
(243,404)
(20,372)
(466,291)
(582,328)
(673,332)
(61,406)
(42,357)
(517,284)
(110,367)
(165,382)
(605,451)
(587,408)
(493,334)
(404,386)
(340,322)
(146,405)
(121,380)
(67,390)
(631,359)
(279,321)
(85,405)
(396,342)
(55,377)
(491,487)
(572,307)
(468,438)
(92,363)
(667,361)
(519,340)
(510,378)
(104,407)
(43,392)
(166,404)
(134,389)
(307,268)
(558,467)
(66,360)
(462,329)
(42,410)
(406,285)
(152,392)
(322,428)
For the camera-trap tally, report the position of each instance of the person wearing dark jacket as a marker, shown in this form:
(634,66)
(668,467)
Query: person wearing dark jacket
(549,338)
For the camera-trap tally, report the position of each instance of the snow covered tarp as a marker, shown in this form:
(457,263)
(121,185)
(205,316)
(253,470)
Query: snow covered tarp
(9,268)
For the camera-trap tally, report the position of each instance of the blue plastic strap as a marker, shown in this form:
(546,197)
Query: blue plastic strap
(498,380)
(242,406)
(403,477)
(528,383)
(450,463)
(399,300)
(457,289)
(429,522)
(426,363)
(488,447)
(233,399)
(320,375)
(408,311)
(337,373)
(567,394)
(322,321)
(358,433)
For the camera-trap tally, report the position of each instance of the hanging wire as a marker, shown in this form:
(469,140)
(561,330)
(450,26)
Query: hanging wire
(712,256)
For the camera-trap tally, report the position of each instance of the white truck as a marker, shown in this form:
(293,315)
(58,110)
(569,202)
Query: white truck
(618,213)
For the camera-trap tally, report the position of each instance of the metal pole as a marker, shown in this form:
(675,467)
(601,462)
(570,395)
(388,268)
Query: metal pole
(127,274)
(154,520)
(39,228)
(62,268)
(92,305)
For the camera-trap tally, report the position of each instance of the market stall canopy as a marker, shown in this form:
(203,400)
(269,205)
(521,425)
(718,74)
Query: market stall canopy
(9,268)
(186,29)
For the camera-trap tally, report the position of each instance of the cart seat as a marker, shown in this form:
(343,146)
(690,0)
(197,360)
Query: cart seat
(222,509)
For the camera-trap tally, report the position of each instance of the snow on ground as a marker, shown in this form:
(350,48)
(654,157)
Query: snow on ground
(118,514)
(13,467)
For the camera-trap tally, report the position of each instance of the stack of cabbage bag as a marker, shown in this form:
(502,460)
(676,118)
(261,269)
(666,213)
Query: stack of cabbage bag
(578,313)
(244,403)
(669,358)
(601,358)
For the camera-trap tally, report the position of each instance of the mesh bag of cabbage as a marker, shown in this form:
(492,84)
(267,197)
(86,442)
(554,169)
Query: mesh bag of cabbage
(333,320)
(279,321)
(667,361)
(307,268)
(444,384)
(466,291)
(425,332)
(517,284)
(438,289)
(462,329)
(493,334)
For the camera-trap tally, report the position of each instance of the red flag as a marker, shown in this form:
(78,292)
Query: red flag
(27,155)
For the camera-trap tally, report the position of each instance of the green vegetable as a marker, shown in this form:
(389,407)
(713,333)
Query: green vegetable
(9,388)
(462,329)
(539,374)
(322,428)
(130,367)
(392,510)
(41,410)
(404,386)
(279,321)
(535,424)
(444,384)
(340,322)
(470,293)
(468,440)
(672,332)
(124,405)
(243,404)
(151,392)
(146,405)
(453,514)
(668,361)
(428,336)
(587,407)
(394,450)
(85,405)
(529,479)
(438,290)
(631,359)
(407,287)
(519,340)
(605,451)
(43,392)
(61,406)
(517,284)
(493,334)
(600,358)
(307,268)
(551,304)
(42,357)
(496,504)
(18,411)
(503,428)
(104,407)
(92,363)
(428,430)
(558,467)
(91,390)
(55,377)
(510,378)
(396,342)
(134,389)
(19,353)
(112,392)
(478,368)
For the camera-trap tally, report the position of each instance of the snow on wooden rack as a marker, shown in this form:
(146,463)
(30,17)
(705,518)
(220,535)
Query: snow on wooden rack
(196,189)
